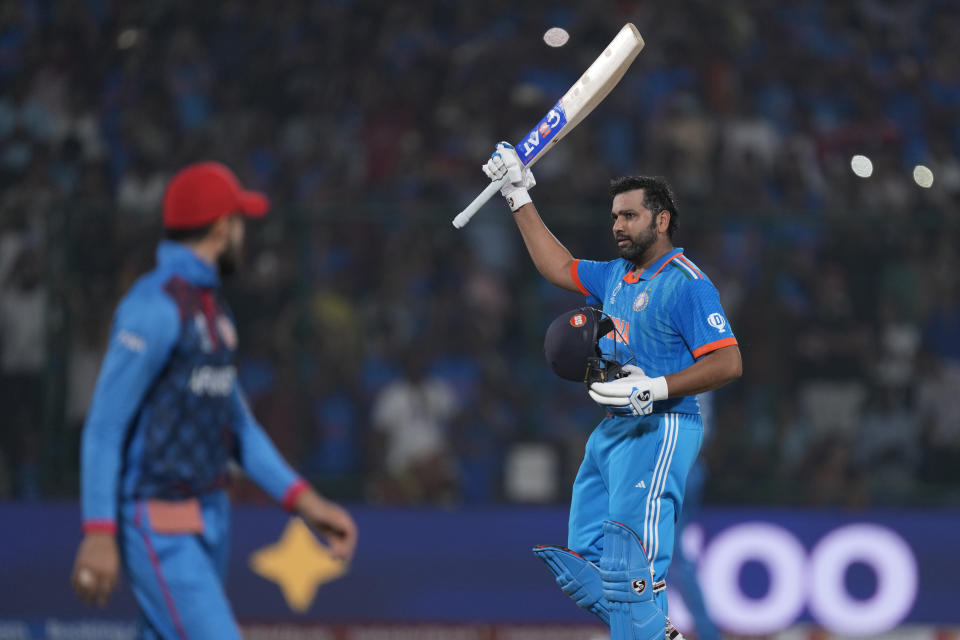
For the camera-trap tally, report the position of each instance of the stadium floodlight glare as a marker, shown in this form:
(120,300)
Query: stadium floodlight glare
(862,166)
(127,38)
(923,176)
(556,36)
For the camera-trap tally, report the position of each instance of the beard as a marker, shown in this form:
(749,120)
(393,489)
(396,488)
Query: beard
(230,260)
(639,244)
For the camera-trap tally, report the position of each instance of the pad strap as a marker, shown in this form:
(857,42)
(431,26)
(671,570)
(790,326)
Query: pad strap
(628,586)
(578,578)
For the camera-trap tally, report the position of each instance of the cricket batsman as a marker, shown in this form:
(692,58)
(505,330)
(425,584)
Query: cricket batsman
(675,342)
(168,416)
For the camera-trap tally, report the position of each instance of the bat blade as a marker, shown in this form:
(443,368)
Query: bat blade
(583,97)
(575,105)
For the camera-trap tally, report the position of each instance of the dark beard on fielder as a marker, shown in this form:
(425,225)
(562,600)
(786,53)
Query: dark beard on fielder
(229,261)
(638,246)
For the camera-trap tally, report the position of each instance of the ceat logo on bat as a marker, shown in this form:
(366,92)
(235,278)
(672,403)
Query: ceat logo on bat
(578,320)
(540,135)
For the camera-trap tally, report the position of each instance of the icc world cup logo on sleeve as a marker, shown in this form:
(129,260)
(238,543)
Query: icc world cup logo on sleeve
(717,321)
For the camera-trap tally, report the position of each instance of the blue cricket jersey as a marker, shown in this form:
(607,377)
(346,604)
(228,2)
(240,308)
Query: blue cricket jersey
(167,413)
(666,317)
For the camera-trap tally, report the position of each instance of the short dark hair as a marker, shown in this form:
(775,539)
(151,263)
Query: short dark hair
(657,195)
(193,234)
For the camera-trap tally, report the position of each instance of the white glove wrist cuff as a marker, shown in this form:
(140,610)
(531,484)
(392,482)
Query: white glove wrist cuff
(518,198)
(658,388)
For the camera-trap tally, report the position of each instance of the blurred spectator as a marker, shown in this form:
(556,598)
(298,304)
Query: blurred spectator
(887,449)
(938,407)
(23,322)
(413,441)
(831,351)
(140,191)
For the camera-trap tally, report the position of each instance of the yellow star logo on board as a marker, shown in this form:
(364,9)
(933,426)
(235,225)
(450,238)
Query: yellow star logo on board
(298,563)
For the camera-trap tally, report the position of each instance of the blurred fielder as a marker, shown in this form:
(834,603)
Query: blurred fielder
(166,418)
(629,490)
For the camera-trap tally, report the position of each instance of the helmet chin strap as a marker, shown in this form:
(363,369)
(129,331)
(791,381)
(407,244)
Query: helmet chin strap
(602,370)
(604,367)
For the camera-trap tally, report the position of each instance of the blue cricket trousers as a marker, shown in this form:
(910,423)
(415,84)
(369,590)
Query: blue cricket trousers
(634,471)
(177,578)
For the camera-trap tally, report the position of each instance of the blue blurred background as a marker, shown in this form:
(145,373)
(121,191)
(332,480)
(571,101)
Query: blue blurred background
(366,122)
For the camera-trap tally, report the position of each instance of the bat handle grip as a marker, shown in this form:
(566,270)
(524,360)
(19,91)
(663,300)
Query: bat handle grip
(464,216)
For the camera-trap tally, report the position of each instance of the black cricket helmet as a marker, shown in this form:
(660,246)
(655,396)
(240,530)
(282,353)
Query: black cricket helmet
(572,348)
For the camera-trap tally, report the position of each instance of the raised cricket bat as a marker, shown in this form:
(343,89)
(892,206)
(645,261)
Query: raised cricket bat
(575,105)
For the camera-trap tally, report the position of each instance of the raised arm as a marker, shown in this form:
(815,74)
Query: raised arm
(551,258)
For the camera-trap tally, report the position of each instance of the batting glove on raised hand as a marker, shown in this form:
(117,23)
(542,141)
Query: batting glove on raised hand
(505,162)
(633,394)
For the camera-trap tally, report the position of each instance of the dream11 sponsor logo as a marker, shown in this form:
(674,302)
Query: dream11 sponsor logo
(797,579)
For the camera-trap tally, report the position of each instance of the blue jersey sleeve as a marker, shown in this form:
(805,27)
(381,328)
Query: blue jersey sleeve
(145,328)
(591,277)
(700,320)
(260,458)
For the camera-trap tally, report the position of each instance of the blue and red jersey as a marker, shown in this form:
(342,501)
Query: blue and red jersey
(167,413)
(666,317)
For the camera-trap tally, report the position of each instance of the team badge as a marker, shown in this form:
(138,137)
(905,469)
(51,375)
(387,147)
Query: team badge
(578,320)
(717,321)
(641,301)
(639,586)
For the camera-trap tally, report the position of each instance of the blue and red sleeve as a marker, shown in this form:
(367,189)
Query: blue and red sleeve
(145,328)
(260,458)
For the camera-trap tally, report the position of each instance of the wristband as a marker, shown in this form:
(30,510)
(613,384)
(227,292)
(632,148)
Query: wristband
(518,198)
(658,389)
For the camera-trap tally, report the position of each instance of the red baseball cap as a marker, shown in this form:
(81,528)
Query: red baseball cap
(202,193)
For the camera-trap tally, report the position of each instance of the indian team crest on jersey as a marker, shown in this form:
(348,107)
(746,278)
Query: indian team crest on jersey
(641,301)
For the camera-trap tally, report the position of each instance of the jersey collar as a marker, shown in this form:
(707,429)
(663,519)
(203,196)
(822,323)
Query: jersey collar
(651,272)
(180,259)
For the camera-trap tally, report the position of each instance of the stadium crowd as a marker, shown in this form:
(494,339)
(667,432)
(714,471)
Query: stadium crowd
(396,360)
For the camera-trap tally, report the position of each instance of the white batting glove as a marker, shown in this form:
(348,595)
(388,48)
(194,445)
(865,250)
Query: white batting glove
(634,394)
(505,162)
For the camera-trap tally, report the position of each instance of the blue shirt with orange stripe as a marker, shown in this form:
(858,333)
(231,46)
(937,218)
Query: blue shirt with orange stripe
(666,317)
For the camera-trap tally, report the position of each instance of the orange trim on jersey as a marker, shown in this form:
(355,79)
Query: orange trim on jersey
(665,264)
(634,275)
(576,278)
(713,346)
